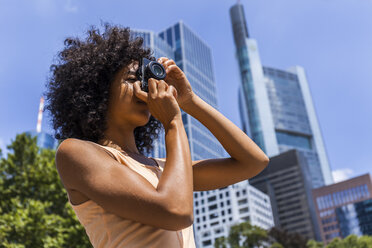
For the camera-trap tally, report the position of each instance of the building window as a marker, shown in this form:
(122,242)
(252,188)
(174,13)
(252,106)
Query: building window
(197,211)
(213,216)
(228,202)
(207,242)
(227,193)
(212,207)
(197,220)
(223,212)
(229,211)
(247,218)
(243,201)
(203,210)
(221,204)
(243,210)
(237,193)
(196,203)
(212,198)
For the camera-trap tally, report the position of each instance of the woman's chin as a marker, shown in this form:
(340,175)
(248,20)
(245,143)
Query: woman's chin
(144,120)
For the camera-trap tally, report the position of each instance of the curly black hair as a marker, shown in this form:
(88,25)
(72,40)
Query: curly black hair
(77,91)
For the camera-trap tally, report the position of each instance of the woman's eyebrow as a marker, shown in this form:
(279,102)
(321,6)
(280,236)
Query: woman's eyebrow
(131,73)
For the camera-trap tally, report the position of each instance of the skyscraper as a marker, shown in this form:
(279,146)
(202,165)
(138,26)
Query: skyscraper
(194,57)
(276,106)
(44,140)
(286,180)
(215,210)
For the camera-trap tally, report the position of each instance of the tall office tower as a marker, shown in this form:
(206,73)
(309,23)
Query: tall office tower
(194,57)
(275,105)
(160,49)
(217,210)
(44,140)
(344,208)
(286,180)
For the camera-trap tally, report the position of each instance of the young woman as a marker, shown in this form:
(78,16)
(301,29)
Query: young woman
(121,197)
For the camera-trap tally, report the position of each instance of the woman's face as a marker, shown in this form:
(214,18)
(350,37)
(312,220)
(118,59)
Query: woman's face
(124,107)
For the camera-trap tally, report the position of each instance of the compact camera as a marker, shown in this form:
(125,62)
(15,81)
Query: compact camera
(149,69)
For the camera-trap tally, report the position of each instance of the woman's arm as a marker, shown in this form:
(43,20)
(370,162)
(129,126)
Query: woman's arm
(247,159)
(177,177)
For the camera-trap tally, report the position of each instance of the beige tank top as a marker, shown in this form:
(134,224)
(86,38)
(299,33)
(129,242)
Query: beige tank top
(107,230)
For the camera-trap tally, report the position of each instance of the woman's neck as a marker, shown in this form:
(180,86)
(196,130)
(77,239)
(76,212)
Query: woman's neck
(127,146)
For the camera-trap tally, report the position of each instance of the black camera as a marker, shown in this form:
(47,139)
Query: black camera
(149,69)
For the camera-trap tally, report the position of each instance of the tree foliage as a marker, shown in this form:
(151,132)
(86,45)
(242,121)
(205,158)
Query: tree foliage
(245,235)
(34,209)
(351,241)
(288,239)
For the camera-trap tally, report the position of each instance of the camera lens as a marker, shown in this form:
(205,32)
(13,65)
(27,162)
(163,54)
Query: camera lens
(158,71)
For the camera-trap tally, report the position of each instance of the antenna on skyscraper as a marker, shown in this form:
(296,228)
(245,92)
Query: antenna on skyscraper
(40,115)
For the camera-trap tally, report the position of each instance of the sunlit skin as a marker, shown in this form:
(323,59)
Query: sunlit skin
(124,112)
(119,190)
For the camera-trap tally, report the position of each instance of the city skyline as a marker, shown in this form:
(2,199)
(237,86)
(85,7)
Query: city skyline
(29,47)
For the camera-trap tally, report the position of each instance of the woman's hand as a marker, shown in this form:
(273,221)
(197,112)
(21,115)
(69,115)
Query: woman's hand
(161,100)
(177,78)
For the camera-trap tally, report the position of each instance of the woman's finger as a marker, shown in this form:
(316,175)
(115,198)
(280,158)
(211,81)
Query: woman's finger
(172,90)
(162,86)
(168,63)
(138,92)
(153,91)
(162,59)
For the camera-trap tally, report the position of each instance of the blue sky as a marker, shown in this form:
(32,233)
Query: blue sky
(331,39)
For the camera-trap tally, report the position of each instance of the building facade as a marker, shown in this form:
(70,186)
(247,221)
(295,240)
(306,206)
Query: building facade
(276,106)
(286,180)
(344,208)
(217,210)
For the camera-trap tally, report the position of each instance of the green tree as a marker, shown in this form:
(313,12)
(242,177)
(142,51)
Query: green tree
(276,245)
(34,209)
(288,239)
(351,241)
(314,244)
(250,235)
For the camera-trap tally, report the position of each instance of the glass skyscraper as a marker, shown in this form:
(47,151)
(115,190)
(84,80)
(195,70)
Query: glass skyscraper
(194,57)
(276,106)
(44,140)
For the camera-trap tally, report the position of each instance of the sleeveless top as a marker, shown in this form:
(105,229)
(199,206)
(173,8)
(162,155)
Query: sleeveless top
(107,230)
